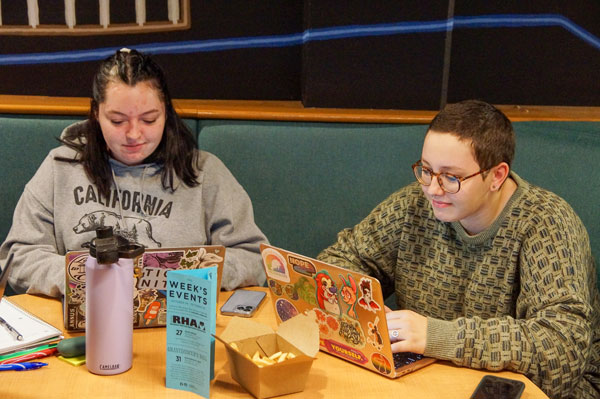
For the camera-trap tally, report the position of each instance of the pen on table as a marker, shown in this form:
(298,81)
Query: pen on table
(17,335)
(30,356)
(12,355)
(22,366)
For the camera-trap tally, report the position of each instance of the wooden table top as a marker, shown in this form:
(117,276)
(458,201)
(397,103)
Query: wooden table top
(329,376)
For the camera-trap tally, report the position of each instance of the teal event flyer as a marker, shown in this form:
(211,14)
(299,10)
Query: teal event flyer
(191,321)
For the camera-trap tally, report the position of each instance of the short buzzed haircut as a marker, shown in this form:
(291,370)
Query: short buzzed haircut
(489,130)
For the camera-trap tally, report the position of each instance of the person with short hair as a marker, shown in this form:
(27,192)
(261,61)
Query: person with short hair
(133,165)
(489,271)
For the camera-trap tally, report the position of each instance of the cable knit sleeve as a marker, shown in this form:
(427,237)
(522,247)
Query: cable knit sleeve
(549,335)
(371,247)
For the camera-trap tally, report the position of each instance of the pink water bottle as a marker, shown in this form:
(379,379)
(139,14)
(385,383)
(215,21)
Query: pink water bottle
(109,303)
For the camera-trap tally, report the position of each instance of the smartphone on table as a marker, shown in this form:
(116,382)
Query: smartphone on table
(492,387)
(243,303)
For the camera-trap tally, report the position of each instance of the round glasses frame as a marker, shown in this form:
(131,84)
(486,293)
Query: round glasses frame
(438,176)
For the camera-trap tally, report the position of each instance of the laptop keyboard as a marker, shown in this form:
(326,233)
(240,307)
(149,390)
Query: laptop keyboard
(405,358)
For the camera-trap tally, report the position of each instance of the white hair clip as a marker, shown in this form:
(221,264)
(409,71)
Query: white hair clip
(125,50)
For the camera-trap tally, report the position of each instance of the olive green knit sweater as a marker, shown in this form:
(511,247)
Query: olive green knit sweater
(519,296)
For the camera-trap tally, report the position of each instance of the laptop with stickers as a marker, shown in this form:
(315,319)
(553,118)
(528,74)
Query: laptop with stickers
(349,307)
(150,279)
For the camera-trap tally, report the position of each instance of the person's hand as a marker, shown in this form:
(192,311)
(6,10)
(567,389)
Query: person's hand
(407,329)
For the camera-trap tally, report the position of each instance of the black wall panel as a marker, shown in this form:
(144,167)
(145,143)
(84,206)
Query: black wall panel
(390,54)
(544,65)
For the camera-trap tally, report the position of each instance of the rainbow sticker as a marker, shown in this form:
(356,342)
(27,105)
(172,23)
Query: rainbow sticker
(275,265)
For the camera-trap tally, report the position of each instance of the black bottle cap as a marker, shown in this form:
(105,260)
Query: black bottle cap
(130,250)
(105,246)
(104,232)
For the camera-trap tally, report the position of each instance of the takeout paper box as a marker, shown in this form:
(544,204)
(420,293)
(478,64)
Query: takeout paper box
(299,335)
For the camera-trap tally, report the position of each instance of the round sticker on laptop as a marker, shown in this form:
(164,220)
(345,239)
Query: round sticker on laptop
(291,292)
(275,265)
(381,363)
(275,287)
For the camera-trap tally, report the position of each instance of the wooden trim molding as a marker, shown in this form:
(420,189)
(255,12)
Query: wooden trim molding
(177,18)
(289,110)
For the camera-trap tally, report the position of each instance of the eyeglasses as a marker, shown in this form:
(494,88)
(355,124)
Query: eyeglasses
(448,182)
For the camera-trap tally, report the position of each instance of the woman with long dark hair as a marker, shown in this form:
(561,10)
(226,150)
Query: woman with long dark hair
(133,165)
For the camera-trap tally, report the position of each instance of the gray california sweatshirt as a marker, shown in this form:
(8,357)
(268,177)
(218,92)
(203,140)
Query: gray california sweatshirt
(60,209)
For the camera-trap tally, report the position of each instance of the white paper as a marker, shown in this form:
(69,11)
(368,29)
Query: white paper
(34,330)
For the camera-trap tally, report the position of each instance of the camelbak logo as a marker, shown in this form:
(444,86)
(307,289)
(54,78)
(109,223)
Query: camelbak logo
(110,366)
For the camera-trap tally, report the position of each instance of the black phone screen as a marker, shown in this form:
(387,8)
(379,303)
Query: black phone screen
(492,387)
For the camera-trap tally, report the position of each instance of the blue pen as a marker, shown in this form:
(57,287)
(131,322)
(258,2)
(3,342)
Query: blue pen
(22,366)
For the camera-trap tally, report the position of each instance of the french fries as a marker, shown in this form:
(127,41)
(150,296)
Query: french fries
(261,360)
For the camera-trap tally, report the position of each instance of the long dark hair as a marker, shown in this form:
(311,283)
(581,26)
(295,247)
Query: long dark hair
(176,151)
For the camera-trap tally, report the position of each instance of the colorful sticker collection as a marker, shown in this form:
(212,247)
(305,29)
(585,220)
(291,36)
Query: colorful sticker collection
(150,281)
(335,304)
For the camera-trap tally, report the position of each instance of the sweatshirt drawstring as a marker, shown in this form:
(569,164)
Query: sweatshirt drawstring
(120,195)
(142,194)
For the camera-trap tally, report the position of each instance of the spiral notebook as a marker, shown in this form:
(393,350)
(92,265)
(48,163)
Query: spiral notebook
(34,330)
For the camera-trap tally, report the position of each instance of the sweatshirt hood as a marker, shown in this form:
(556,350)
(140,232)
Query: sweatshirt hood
(138,172)
(141,170)
(78,129)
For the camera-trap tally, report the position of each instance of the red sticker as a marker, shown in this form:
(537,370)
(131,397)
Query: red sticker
(346,352)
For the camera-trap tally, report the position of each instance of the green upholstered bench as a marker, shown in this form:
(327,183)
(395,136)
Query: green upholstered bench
(24,143)
(307,181)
